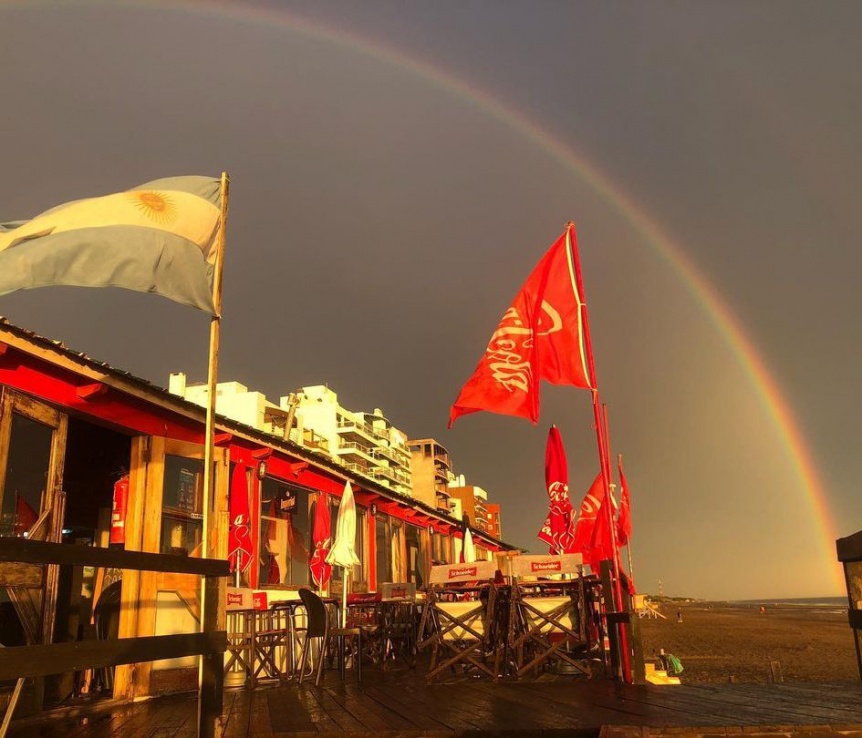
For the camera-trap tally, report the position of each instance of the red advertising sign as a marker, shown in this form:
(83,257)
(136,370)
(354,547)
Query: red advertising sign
(555,566)
(259,601)
(462,571)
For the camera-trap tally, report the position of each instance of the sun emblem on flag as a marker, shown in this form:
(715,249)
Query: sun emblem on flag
(155,205)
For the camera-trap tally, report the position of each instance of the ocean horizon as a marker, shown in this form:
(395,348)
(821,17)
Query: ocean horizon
(837,601)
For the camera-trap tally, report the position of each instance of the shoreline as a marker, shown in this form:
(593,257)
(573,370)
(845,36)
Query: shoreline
(734,641)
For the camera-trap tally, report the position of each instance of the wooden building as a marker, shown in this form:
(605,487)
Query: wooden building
(79,439)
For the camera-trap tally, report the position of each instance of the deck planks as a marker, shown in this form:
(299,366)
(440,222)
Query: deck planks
(402,705)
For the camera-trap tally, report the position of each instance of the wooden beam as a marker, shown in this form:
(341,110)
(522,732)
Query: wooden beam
(261,454)
(43,552)
(91,391)
(223,439)
(56,658)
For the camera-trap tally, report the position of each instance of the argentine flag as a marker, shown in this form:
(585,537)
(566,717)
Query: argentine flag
(159,237)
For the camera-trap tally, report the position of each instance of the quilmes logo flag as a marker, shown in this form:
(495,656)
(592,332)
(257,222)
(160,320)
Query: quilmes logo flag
(536,566)
(234,598)
(463,571)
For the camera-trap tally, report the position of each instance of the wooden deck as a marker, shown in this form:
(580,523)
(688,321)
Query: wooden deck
(401,705)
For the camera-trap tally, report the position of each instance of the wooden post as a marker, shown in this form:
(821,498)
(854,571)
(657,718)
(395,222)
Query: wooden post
(212,665)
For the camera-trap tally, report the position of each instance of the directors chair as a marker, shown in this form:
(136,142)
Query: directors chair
(548,622)
(456,621)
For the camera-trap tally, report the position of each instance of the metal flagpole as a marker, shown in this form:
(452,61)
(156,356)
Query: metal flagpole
(604,459)
(629,541)
(209,442)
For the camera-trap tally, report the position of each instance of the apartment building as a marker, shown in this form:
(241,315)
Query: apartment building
(431,467)
(364,443)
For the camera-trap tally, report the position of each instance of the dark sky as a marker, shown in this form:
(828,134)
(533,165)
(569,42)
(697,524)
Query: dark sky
(382,220)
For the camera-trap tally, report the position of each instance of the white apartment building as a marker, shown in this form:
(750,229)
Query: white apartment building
(365,443)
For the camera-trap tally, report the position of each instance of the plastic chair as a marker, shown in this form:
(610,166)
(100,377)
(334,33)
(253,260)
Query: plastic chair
(318,626)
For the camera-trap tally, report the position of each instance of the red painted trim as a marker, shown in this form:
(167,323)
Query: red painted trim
(261,454)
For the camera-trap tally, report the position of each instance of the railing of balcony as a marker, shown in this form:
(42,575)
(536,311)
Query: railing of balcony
(356,448)
(310,439)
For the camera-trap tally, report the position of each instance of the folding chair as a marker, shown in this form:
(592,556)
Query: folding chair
(455,622)
(397,618)
(549,622)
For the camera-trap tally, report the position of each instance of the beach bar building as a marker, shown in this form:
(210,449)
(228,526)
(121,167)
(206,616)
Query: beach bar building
(111,460)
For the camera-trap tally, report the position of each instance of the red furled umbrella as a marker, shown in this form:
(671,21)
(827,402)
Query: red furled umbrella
(321,536)
(239,536)
(558,530)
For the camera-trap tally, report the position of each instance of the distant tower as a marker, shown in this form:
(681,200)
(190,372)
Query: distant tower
(660,589)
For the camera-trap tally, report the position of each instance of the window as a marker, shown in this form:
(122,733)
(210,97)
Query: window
(414,572)
(358,573)
(381,537)
(182,506)
(26,476)
(441,548)
(285,535)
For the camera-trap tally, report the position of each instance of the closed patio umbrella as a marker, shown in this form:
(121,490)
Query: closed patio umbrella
(343,551)
(469,547)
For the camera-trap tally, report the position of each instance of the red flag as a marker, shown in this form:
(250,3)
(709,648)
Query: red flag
(586,522)
(541,336)
(601,547)
(558,530)
(624,522)
(239,535)
(321,535)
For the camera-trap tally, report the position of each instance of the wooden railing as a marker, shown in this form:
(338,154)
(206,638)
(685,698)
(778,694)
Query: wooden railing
(19,662)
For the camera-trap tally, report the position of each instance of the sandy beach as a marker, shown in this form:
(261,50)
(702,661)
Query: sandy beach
(720,642)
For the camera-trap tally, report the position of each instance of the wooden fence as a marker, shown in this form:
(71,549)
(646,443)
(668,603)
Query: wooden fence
(20,662)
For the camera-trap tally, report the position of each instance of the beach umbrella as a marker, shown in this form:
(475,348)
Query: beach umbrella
(343,551)
(469,550)
(321,535)
(239,534)
(558,530)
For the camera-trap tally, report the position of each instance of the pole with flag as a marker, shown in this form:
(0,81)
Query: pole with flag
(544,335)
(624,522)
(165,237)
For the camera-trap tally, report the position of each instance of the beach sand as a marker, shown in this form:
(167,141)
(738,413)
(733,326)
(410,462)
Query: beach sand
(721,642)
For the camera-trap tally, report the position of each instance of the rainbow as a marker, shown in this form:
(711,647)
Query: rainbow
(765,385)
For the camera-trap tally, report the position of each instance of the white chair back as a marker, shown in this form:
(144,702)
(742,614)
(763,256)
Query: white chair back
(452,573)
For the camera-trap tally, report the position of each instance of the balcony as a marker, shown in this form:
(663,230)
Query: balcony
(356,450)
(393,453)
(365,471)
(312,441)
(393,474)
(353,427)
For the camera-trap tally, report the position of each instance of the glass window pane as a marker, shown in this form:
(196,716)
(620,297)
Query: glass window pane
(284,534)
(382,558)
(26,475)
(182,506)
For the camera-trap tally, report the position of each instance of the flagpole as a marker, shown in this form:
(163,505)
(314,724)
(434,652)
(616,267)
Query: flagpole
(209,442)
(629,542)
(212,366)
(604,459)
